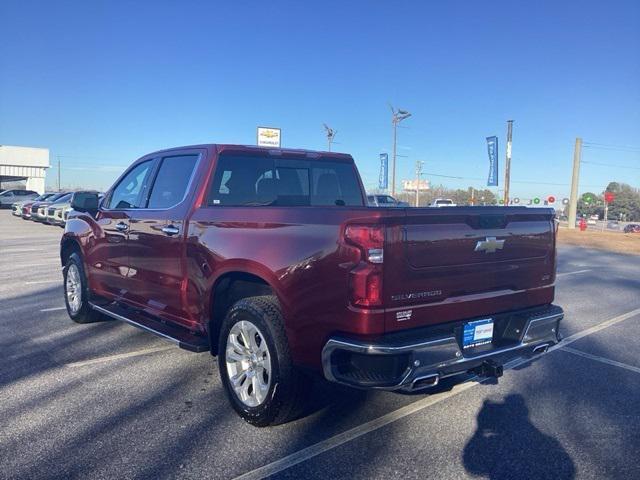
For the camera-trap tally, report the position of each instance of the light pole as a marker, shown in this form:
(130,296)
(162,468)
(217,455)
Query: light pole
(397,116)
(331,134)
(419,165)
(507,166)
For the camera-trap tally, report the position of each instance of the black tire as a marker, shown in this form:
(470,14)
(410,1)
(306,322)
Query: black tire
(287,393)
(84,314)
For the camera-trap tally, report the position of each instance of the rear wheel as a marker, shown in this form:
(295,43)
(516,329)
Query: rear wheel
(255,364)
(76,292)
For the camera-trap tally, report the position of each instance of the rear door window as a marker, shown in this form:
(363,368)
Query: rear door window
(172,180)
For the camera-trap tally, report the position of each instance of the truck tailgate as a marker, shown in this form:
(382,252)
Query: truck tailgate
(448,264)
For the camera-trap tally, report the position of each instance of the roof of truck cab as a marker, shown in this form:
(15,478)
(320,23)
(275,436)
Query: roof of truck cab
(255,150)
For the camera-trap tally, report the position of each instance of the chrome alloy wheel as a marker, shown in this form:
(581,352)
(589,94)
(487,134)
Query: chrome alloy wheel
(74,288)
(248,363)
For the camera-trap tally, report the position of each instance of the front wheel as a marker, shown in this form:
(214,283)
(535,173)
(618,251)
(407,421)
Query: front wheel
(76,292)
(255,363)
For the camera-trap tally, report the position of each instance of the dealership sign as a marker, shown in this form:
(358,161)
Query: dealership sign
(411,185)
(268,137)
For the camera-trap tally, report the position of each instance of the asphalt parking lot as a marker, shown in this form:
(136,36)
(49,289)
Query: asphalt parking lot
(110,401)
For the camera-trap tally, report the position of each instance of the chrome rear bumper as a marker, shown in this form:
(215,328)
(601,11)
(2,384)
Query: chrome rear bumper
(412,362)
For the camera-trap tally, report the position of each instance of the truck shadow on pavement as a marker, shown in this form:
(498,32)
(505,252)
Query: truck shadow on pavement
(507,445)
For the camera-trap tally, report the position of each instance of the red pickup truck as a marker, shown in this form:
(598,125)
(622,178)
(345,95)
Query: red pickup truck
(271,260)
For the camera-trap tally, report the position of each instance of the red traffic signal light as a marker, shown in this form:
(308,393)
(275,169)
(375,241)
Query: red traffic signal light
(551,199)
(609,197)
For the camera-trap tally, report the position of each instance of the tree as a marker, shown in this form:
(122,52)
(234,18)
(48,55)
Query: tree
(626,204)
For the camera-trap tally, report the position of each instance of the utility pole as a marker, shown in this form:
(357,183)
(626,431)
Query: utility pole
(331,134)
(507,166)
(58,172)
(573,199)
(419,165)
(397,116)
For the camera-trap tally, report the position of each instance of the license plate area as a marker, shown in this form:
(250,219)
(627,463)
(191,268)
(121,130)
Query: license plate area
(477,332)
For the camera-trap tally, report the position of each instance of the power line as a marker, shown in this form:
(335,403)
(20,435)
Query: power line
(610,165)
(607,145)
(613,149)
(528,182)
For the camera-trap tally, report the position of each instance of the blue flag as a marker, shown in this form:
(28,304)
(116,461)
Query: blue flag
(383,180)
(492,150)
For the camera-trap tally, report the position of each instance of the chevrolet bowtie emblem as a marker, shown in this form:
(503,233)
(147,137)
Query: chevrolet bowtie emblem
(490,245)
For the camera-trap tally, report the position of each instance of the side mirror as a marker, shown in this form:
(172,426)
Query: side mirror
(85,202)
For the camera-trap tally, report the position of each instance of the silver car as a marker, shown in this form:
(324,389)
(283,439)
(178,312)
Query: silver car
(49,210)
(58,212)
(384,201)
(17,206)
(9,197)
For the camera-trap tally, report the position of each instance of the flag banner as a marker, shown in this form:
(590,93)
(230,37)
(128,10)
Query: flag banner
(492,150)
(383,181)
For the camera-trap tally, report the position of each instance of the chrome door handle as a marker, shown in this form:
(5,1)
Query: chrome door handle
(123,227)
(171,230)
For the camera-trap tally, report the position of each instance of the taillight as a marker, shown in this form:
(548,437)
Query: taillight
(369,239)
(366,278)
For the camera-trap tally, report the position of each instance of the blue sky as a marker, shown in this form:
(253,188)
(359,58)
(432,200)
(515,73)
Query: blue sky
(101,83)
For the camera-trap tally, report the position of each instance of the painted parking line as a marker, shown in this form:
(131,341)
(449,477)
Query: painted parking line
(119,356)
(344,437)
(54,309)
(22,250)
(53,263)
(37,282)
(596,328)
(572,273)
(598,358)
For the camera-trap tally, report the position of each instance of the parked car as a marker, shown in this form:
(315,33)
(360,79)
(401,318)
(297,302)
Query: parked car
(272,260)
(25,208)
(17,206)
(50,210)
(59,211)
(443,202)
(613,225)
(632,228)
(385,201)
(9,197)
(37,210)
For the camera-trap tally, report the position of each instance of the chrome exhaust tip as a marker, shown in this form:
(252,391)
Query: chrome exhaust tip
(425,382)
(541,348)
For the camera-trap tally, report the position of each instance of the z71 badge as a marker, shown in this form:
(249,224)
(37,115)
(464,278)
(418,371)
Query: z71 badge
(403,315)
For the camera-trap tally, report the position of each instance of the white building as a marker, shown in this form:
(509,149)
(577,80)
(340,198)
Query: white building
(24,163)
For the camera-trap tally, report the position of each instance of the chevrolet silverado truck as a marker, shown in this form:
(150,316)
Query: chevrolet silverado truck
(271,260)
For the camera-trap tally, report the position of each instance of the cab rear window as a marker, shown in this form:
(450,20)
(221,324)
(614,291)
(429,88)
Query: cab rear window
(265,181)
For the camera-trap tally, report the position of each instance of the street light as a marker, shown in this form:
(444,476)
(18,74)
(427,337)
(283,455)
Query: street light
(331,134)
(397,115)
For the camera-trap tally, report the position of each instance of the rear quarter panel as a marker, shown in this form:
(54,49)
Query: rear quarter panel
(298,251)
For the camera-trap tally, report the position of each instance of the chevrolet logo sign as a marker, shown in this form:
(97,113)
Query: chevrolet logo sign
(489,245)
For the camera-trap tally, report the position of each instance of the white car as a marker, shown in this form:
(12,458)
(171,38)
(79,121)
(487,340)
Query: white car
(443,202)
